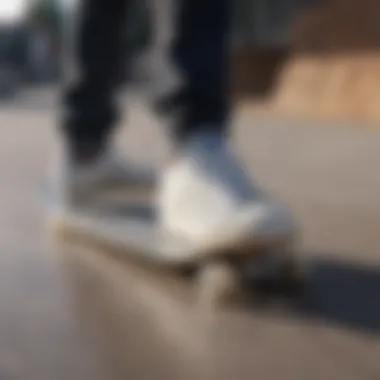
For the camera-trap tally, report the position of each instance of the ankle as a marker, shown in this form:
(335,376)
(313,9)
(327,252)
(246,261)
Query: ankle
(84,153)
(203,138)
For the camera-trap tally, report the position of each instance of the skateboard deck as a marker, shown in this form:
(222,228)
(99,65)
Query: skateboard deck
(128,222)
(130,227)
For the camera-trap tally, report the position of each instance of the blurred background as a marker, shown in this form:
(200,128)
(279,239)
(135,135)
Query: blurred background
(305,78)
(301,57)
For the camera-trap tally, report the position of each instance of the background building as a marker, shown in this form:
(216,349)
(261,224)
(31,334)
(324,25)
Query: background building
(319,58)
(303,57)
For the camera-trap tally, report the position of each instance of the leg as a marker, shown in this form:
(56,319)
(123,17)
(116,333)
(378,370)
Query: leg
(88,161)
(89,100)
(201,52)
(206,195)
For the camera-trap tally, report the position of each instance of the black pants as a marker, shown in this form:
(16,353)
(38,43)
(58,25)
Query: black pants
(200,51)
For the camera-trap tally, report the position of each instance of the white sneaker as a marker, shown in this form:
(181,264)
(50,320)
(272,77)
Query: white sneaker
(206,199)
(71,182)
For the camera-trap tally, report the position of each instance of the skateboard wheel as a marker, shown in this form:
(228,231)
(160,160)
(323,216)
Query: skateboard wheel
(279,272)
(293,275)
(217,283)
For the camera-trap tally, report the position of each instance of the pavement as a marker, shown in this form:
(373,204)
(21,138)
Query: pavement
(73,312)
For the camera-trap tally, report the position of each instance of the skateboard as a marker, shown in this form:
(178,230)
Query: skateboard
(126,224)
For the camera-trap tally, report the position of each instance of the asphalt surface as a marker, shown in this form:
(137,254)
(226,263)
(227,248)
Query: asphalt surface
(73,312)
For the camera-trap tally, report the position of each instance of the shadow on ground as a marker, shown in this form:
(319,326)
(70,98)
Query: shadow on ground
(337,293)
(343,294)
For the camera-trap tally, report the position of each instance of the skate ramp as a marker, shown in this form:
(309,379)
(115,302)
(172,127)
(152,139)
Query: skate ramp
(334,69)
(332,87)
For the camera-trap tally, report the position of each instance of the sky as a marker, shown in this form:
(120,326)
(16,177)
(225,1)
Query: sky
(11,10)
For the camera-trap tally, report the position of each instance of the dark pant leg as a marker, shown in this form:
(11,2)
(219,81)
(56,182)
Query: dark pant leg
(89,103)
(201,52)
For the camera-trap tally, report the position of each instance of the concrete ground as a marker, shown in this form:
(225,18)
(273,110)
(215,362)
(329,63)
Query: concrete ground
(75,313)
